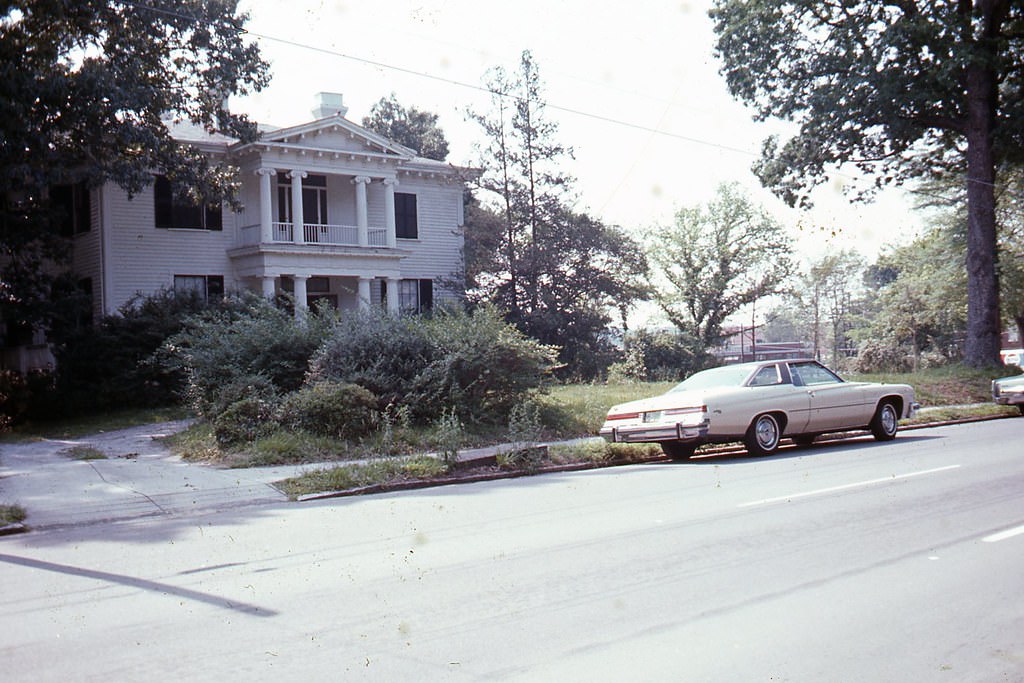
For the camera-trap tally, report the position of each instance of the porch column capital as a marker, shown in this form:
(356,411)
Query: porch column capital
(362,179)
(297,174)
(265,171)
(393,182)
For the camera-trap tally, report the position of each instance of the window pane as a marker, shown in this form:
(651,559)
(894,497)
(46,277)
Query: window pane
(405,216)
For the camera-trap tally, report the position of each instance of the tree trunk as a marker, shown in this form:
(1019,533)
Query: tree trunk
(983,315)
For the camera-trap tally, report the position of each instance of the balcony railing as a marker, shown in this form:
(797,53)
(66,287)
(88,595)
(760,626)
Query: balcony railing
(317,233)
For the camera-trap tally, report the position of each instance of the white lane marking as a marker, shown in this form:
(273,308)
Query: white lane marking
(1003,535)
(844,487)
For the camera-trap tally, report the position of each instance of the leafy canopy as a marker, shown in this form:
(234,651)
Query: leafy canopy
(716,259)
(85,92)
(411,127)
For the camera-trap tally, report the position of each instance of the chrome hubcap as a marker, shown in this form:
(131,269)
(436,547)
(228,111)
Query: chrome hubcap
(888,419)
(767,433)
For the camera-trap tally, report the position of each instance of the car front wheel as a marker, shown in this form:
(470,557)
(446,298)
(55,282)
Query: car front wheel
(885,422)
(678,450)
(763,435)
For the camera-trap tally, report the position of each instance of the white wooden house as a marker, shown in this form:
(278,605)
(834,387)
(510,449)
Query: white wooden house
(330,212)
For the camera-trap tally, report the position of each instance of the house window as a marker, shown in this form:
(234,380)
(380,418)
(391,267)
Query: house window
(414,296)
(181,213)
(406,225)
(207,287)
(73,207)
(314,199)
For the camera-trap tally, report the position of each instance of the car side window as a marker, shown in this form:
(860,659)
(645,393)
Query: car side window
(766,376)
(809,374)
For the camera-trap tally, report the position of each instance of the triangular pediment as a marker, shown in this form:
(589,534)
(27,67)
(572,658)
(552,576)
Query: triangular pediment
(337,134)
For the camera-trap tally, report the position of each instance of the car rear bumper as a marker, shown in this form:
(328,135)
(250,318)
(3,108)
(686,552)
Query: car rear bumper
(1014,399)
(648,433)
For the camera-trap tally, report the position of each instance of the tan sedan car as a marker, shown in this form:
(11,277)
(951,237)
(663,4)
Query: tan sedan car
(759,404)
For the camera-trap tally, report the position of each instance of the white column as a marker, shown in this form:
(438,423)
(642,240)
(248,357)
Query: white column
(266,213)
(268,286)
(362,221)
(300,294)
(389,211)
(364,293)
(298,222)
(392,295)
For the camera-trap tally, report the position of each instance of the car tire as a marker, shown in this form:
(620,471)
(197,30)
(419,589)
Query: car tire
(886,422)
(804,440)
(1020,407)
(763,435)
(677,450)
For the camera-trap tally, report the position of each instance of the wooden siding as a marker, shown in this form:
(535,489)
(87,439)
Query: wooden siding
(146,258)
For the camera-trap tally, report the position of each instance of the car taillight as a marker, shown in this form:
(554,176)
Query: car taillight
(686,411)
(622,416)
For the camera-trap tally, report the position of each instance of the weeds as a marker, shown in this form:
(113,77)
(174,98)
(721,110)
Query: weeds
(12,514)
(84,453)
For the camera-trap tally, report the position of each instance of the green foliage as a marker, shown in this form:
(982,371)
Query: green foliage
(341,411)
(449,437)
(22,396)
(244,421)
(110,365)
(902,90)
(659,356)
(87,87)
(524,431)
(411,127)
(349,477)
(919,308)
(717,259)
(472,361)
(554,271)
(248,344)
(12,514)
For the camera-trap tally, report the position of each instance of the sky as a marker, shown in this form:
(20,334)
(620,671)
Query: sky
(652,124)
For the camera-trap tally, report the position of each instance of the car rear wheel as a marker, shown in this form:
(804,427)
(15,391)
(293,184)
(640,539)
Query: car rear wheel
(678,450)
(763,435)
(1020,406)
(885,422)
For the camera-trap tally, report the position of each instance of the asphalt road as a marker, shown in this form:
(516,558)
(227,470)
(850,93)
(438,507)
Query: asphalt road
(842,562)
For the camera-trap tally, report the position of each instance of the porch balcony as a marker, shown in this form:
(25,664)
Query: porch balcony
(315,233)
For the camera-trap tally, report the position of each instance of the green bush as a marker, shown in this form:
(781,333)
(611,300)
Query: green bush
(329,409)
(382,353)
(109,364)
(476,363)
(659,357)
(245,421)
(251,338)
(235,389)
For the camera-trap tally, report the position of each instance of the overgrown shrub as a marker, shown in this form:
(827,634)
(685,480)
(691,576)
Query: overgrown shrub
(874,355)
(244,421)
(329,409)
(108,365)
(251,338)
(382,353)
(236,389)
(659,356)
(483,366)
(23,396)
(474,362)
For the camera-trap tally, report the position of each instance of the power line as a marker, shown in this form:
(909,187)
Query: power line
(481,89)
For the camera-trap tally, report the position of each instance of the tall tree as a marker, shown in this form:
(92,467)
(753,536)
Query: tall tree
(557,272)
(901,88)
(85,90)
(1010,217)
(408,126)
(829,290)
(715,260)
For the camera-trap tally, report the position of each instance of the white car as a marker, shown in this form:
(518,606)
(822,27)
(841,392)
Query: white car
(759,404)
(1009,391)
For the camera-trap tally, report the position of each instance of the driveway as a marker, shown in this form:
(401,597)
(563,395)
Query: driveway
(138,477)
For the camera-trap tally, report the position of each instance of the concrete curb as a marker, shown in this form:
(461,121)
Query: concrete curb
(490,458)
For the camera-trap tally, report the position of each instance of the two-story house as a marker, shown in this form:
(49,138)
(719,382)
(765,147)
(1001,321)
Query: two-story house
(330,212)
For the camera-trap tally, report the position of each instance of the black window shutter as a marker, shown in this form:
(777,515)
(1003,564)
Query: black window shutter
(426,295)
(83,208)
(383,291)
(163,202)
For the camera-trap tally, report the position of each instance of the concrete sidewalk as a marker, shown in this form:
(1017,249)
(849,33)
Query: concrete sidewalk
(138,478)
